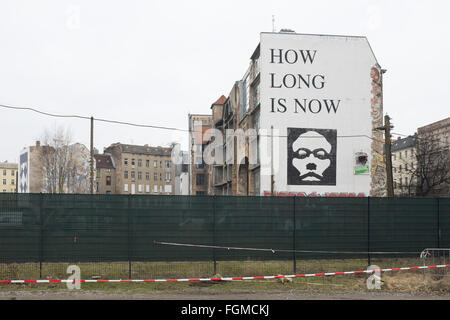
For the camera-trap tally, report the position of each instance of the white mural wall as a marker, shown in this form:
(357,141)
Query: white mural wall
(316,93)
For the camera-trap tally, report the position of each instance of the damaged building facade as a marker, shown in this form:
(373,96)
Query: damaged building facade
(301,121)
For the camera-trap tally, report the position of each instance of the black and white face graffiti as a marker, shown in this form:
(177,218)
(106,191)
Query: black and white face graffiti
(311,156)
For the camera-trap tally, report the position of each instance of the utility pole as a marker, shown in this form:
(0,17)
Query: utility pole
(390,180)
(92,156)
(387,147)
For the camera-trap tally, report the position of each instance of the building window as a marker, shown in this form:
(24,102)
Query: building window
(400,154)
(155,189)
(140,188)
(168,176)
(139,175)
(132,163)
(200,180)
(125,187)
(12,181)
(139,162)
(155,176)
(400,170)
(4,182)
(155,163)
(133,174)
(167,164)
(125,161)
(125,175)
(160,164)
(160,176)
(199,164)
(108,180)
(97,188)
(4,173)
(147,188)
(12,173)
(147,163)
(147,176)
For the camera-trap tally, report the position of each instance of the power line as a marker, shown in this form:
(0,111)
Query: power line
(154,126)
(89,118)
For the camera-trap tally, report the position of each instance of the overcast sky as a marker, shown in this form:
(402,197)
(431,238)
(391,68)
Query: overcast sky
(153,62)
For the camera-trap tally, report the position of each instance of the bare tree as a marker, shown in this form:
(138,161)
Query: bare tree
(429,173)
(56,157)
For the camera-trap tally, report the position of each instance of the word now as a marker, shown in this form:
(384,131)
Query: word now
(314,194)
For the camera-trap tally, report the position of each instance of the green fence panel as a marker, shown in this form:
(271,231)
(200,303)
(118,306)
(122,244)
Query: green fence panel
(94,228)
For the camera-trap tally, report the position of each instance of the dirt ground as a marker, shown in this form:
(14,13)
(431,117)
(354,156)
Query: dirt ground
(294,295)
(396,286)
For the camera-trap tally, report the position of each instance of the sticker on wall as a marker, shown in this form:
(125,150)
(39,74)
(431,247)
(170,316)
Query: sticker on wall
(361,163)
(311,156)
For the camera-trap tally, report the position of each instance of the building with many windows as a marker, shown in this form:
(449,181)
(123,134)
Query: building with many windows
(142,169)
(8,177)
(404,163)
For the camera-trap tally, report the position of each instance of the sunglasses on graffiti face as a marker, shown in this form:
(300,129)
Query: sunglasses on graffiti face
(303,153)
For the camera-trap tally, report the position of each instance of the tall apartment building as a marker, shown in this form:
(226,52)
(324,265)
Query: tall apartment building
(303,117)
(198,170)
(105,178)
(142,169)
(8,177)
(404,163)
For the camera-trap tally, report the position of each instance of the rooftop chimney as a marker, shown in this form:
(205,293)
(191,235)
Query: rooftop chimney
(38,143)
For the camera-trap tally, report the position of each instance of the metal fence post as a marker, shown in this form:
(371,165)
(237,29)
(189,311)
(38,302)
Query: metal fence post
(41,234)
(214,234)
(294,236)
(368,231)
(438,223)
(129,236)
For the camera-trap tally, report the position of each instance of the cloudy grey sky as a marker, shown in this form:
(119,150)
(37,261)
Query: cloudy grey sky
(153,62)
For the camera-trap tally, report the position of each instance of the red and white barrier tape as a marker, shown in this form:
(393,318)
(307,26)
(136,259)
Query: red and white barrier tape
(230,278)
